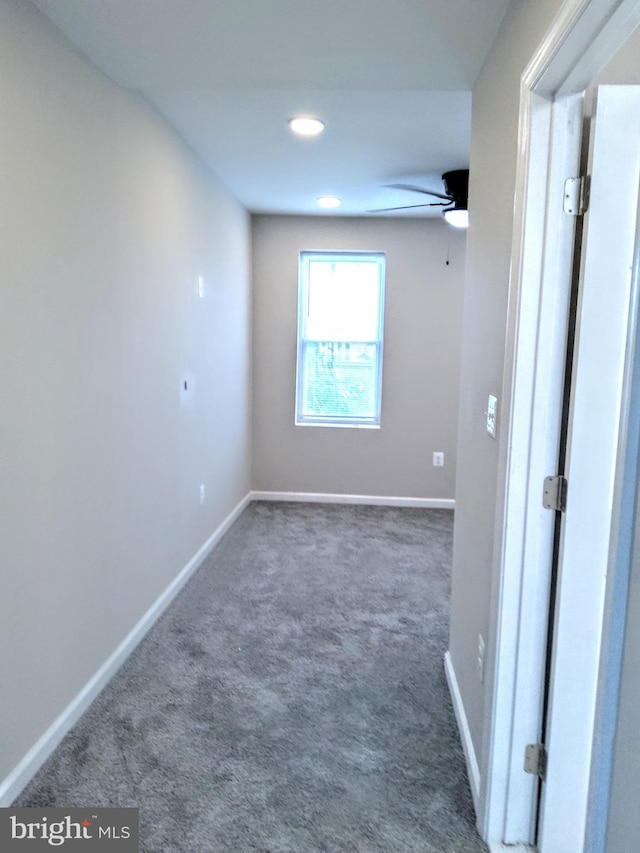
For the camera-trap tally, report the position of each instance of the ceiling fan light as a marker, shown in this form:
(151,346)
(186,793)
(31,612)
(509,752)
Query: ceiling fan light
(458,217)
(306,125)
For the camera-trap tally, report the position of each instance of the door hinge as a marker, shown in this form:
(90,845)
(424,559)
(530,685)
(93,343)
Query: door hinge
(554,495)
(576,195)
(535,759)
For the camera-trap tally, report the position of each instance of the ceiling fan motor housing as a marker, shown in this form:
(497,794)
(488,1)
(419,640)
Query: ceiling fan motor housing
(456,185)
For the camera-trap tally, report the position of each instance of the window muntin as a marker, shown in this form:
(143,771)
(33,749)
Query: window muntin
(340,333)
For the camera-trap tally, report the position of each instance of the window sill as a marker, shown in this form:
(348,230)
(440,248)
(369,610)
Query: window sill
(336,425)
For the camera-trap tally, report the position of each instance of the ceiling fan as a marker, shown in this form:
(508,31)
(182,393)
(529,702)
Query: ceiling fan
(453,200)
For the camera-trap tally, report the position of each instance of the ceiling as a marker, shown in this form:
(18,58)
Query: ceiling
(391,79)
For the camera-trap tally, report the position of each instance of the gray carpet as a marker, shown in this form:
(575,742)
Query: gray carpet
(292,699)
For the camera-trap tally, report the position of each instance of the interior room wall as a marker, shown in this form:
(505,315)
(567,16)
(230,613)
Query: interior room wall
(421,361)
(479,489)
(494,148)
(107,219)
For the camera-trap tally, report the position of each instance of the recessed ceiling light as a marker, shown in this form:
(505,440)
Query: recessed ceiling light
(329,201)
(306,125)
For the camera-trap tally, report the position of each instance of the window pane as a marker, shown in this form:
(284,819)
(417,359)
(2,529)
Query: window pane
(343,301)
(340,380)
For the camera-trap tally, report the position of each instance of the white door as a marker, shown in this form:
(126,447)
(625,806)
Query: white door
(593,435)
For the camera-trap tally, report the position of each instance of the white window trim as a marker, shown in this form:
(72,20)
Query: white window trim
(303,277)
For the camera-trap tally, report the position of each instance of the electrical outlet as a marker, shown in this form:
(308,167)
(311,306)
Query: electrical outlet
(201,495)
(200,287)
(438,459)
(480,663)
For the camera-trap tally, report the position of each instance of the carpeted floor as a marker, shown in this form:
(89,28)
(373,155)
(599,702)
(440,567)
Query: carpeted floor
(292,699)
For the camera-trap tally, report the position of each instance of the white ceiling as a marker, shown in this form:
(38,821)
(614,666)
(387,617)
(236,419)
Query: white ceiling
(391,79)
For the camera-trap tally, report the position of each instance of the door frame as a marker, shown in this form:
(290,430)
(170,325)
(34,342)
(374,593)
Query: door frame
(584,36)
(589,527)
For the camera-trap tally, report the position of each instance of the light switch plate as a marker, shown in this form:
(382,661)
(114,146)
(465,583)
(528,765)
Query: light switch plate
(492,416)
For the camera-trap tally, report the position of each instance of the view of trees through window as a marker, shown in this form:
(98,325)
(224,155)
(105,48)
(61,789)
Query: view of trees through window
(340,314)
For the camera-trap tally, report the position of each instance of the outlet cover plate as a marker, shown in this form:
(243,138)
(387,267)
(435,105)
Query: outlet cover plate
(492,416)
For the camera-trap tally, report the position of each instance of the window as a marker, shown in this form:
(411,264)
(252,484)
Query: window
(340,320)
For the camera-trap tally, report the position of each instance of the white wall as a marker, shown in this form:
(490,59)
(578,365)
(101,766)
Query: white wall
(421,361)
(107,219)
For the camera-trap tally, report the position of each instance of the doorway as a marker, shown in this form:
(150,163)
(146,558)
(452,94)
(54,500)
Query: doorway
(584,37)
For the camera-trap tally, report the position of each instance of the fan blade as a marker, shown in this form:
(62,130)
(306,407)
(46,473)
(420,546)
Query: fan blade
(413,189)
(410,206)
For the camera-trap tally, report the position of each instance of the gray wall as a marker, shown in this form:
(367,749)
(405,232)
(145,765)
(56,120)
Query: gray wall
(421,361)
(107,220)
(491,196)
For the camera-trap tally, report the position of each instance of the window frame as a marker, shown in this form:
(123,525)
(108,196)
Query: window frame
(342,421)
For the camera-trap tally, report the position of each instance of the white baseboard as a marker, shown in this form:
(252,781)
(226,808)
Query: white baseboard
(19,777)
(473,770)
(373,500)
(497,847)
